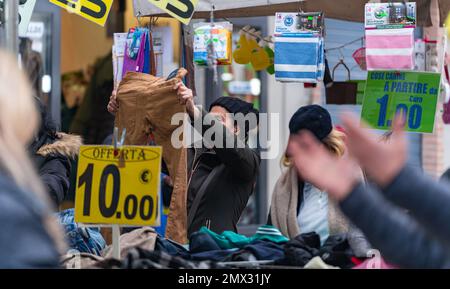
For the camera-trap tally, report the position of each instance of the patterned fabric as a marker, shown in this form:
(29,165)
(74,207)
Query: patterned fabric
(142,259)
(82,239)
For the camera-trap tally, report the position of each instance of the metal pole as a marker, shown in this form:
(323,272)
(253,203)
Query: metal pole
(11,8)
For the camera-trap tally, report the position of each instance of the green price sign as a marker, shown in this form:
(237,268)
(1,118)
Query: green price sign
(414,94)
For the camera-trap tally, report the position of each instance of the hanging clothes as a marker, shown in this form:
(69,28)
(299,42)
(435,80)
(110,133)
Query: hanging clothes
(138,51)
(147,104)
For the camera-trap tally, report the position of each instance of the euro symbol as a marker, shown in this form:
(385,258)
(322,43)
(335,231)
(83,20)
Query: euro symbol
(145,176)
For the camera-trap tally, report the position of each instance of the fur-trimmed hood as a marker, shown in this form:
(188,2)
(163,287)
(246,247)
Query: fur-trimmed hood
(67,145)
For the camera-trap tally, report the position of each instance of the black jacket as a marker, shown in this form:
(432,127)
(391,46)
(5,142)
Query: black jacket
(226,194)
(52,157)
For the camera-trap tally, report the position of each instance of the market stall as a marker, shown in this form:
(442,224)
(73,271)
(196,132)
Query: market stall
(294,53)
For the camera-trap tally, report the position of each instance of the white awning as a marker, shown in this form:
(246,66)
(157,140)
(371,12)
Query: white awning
(146,8)
(351,10)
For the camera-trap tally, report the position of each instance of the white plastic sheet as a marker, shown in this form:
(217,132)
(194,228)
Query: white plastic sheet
(146,8)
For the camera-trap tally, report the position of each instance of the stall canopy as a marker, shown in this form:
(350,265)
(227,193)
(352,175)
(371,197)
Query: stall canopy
(350,10)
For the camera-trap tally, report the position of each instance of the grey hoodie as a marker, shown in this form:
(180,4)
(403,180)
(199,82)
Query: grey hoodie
(420,239)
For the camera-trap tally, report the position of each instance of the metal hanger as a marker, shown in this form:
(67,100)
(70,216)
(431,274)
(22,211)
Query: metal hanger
(139,18)
(341,62)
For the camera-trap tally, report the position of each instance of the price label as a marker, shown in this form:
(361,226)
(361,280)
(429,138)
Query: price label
(118,186)
(414,94)
(96,11)
(182,10)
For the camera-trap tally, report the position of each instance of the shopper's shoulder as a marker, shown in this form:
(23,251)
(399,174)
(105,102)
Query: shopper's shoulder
(11,197)
(14,199)
(7,186)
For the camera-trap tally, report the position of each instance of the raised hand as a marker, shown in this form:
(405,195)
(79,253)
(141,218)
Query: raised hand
(113,105)
(382,161)
(186,97)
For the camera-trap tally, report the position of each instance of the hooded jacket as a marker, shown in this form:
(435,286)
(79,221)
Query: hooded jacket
(52,157)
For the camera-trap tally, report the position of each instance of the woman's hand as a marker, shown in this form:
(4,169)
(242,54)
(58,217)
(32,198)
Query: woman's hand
(186,97)
(113,105)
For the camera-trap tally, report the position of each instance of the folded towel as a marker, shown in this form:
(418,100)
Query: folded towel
(390,49)
(299,58)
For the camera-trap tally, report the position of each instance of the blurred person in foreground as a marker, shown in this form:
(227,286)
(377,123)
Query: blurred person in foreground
(419,239)
(30,237)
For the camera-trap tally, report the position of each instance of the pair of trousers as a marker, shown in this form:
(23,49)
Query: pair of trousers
(146,106)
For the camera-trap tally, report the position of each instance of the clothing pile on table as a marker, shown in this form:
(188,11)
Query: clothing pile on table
(144,249)
(81,239)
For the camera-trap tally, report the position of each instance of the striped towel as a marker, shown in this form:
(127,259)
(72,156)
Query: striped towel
(299,58)
(390,49)
(321,66)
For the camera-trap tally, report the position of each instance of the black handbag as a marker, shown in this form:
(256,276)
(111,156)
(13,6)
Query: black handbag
(341,92)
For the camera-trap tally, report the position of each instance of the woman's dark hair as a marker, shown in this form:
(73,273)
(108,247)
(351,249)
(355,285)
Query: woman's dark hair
(33,66)
(48,126)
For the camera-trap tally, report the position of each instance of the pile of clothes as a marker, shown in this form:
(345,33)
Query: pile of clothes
(144,249)
(81,239)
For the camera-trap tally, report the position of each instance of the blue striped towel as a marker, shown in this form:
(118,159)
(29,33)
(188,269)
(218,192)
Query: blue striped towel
(299,58)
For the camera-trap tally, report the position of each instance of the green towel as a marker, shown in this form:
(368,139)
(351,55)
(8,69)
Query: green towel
(231,240)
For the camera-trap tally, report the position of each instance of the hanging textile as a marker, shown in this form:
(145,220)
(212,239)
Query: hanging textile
(299,58)
(147,105)
(390,49)
(299,47)
(138,51)
(390,35)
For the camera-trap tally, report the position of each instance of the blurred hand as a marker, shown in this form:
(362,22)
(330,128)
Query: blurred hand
(316,165)
(168,181)
(186,97)
(382,161)
(113,105)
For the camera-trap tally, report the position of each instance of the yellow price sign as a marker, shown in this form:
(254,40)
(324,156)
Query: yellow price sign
(96,11)
(447,24)
(118,186)
(182,10)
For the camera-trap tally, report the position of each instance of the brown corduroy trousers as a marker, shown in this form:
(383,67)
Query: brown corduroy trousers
(146,106)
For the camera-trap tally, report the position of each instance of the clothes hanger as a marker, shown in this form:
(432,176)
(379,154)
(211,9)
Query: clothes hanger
(341,62)
(139,19)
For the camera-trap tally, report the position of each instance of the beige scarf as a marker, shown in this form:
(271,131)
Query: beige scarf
(284,207)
